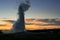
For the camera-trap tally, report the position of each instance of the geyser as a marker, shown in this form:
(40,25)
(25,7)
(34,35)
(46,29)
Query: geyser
(19,25)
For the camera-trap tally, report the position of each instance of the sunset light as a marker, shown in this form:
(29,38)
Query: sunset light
(31,25)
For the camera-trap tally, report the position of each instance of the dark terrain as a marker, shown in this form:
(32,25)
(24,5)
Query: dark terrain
(51,34)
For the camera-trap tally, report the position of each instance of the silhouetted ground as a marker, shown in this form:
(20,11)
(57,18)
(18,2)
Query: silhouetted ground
(53,34)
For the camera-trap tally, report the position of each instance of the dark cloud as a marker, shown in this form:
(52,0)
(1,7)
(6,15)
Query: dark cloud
(2,25)
(29,23)
(49,21)
(11,21)
(52,21)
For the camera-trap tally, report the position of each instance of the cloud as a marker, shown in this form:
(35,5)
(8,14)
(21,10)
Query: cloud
(48,21)
(2,25)
(11,21)
(29,23)
(52,21)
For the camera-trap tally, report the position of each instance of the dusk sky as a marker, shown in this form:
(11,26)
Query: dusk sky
(38,9)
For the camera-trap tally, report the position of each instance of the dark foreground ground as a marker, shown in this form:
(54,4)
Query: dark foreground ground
(53,34)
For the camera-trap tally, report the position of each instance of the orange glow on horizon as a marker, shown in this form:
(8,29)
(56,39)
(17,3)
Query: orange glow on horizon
(30,27)
(8,26)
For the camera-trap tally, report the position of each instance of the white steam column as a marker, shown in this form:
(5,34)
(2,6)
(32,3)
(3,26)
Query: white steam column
(19,26)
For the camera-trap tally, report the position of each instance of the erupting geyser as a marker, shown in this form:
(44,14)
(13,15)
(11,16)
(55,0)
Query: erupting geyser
(19,26)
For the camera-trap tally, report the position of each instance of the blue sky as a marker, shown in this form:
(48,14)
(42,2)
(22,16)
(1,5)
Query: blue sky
(38,9)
